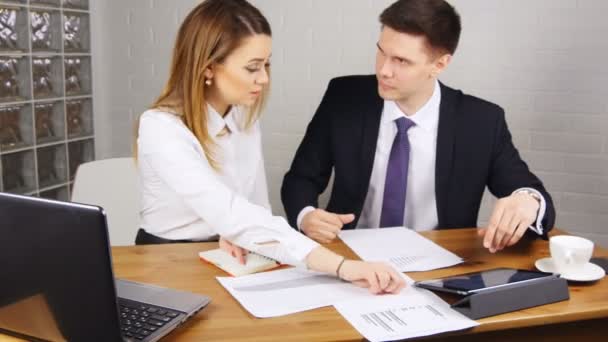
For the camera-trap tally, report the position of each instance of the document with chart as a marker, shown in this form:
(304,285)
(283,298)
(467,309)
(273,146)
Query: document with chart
(412,313)
(405,249)
(287,291)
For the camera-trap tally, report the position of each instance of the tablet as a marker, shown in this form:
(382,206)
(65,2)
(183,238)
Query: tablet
(469,283)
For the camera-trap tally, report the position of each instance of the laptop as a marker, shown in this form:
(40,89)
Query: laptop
(57,283)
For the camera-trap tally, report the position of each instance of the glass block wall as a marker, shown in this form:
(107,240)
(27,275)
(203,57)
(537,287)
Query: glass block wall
(46,110)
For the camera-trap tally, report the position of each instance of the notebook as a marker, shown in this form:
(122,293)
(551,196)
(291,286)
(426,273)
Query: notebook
(254,262)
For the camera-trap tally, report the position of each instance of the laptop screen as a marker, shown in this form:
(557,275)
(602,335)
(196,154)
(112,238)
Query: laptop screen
(56,280)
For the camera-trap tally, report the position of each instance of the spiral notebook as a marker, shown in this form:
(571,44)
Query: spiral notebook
(254,262)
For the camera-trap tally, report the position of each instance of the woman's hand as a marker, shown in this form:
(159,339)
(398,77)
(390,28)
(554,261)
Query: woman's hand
(234,250)
(376,276)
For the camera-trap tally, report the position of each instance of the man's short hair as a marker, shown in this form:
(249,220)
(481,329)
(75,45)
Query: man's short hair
(436,20)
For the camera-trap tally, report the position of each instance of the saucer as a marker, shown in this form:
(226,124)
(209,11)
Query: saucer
(589,272)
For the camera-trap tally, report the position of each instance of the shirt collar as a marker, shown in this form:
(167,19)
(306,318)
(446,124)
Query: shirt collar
(216,122)
(427,117)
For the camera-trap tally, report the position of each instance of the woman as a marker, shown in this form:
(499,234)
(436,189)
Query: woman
(200,155)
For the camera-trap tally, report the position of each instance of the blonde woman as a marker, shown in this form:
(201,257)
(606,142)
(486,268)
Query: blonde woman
(200,154)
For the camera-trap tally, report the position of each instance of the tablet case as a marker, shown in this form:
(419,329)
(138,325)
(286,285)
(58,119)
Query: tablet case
(513,297)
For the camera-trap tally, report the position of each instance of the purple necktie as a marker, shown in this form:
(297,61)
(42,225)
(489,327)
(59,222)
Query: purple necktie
(395,186)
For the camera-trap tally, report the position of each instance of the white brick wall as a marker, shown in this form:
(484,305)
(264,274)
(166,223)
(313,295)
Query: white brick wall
(542,60)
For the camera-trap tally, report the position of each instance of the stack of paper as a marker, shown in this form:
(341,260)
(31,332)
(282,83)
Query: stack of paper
(412,313)
(288,291)
(403,248)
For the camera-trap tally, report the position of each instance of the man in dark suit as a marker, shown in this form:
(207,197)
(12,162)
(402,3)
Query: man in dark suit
(409,151)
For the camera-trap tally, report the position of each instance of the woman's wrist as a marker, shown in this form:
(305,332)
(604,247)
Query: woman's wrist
(323,260)
(340,267)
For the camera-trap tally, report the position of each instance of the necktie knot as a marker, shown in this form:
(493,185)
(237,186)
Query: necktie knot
(404,124)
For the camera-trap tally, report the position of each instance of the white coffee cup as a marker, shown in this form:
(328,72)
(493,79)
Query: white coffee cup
(570,253)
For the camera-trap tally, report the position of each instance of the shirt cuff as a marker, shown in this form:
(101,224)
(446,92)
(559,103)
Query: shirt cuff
(300,249)
(537,227)
(277,241)
(301,215)
(291,250)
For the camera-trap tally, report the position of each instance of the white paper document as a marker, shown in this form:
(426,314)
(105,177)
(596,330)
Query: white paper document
(412,313)
(403,248)
(283,292)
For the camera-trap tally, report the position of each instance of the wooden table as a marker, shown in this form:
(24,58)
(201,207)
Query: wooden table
(584,316)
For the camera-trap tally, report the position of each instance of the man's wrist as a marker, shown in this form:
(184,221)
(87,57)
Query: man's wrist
(301,215)
(531,194)
(537,226)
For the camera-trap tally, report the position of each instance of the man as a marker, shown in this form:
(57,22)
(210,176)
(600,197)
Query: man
(409,151)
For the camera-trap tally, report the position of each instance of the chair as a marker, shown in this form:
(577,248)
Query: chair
(113,185)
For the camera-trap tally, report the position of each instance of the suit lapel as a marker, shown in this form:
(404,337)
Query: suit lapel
(445,149)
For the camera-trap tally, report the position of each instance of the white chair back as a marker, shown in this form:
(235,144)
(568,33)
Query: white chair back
(113,185)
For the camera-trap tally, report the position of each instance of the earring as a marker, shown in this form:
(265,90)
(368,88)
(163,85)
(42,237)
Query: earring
(208,82)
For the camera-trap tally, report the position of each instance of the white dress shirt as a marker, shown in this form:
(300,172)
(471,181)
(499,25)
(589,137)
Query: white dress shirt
(183,197)
(420,204)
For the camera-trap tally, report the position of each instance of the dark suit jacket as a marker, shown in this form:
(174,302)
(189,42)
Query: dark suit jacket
(474,150)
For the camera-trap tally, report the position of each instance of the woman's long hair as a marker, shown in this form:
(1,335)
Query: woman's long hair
(212,30)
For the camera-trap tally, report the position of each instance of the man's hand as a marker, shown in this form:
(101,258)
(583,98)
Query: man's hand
(238,252)
(509,221)
(323,226)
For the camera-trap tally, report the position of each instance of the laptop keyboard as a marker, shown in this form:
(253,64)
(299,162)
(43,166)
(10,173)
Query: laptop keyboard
(139,320)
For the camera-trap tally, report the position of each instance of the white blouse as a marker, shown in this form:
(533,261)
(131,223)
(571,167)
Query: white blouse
(183,197)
